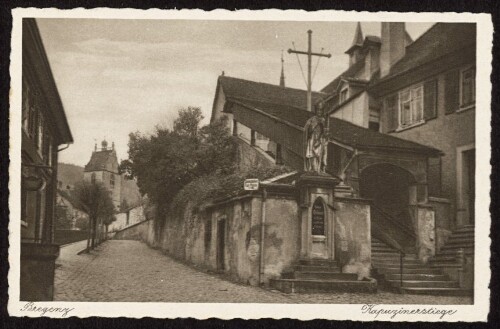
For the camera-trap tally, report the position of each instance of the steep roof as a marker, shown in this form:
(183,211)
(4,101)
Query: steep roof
(99,160)
(340,130)
(439,40)
(357,41)
(67,196)
(35,61)
(349,73)
(265,92)
(359,137)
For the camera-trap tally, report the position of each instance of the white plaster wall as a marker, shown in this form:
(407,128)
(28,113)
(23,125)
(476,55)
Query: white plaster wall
(355,111)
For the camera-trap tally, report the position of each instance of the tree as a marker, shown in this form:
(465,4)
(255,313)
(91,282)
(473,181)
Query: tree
(82,223)
(63,219)
(164,162)
(94,199)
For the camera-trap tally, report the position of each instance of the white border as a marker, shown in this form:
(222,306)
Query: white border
(476,312)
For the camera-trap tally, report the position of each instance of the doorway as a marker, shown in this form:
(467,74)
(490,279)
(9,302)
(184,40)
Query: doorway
(221,241)
(389,188)
(469,184)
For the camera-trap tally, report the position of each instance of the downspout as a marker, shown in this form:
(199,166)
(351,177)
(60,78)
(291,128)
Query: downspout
(262,235)
(55,161)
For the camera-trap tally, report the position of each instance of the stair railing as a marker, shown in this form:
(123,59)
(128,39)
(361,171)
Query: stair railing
(391,219)
(388,240)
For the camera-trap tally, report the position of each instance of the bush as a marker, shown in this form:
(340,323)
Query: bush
(212,187)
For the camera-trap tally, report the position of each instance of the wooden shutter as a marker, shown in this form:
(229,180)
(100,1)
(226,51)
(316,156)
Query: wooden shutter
(430,97)
(452,91)
(391,109)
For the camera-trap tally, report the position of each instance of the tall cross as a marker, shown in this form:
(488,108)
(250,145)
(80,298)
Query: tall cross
(309,54)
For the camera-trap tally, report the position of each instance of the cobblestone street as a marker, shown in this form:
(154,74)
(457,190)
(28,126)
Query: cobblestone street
(130,271)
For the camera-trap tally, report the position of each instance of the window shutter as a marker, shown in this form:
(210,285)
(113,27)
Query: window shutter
(391,109)
(452,91)
(430,97)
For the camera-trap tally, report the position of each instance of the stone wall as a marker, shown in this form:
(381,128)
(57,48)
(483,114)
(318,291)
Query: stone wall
(139,231)
(194,237)
(252,157)
(135,215)
(353,236)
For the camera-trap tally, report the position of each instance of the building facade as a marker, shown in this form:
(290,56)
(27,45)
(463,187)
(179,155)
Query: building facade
(44,130)
(400,124)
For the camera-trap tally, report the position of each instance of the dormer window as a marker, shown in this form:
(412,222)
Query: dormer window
(344,94)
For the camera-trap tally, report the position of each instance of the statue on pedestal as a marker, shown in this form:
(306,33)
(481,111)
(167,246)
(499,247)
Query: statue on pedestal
(315,133)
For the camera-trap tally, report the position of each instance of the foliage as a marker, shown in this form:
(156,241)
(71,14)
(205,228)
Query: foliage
(168,160)
(82,223)
(94,199)
(63,220)
(215,186)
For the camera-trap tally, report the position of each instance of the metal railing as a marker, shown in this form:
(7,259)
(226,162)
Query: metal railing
(378,233)
(392,220)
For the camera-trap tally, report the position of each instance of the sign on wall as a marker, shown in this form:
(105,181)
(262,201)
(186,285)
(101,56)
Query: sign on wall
(251,184)
(318,218)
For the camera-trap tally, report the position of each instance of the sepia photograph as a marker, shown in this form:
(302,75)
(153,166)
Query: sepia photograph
(266,160)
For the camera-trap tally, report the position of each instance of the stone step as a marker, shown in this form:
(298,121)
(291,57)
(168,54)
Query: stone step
(453,252)
(441,264)
(417,277)
(444,258)
(420,270)
(318,262)
(323,286)
(382,249)
(460,242)
(394,262)
(321,275)
(379,265)
(316,268)
(437,291)
(462,234)
(424,284)
(464,230)
(393,257)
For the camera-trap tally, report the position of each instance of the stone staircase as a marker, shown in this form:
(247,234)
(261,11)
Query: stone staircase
(417,278)
(461,239)
(320,276)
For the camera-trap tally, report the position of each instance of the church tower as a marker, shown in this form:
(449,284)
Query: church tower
(103,167)
(282,77)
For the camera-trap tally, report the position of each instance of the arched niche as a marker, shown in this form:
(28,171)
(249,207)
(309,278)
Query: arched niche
(318,217)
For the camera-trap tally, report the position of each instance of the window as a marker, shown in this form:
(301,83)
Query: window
(40,130)
(208,234)
(92,178)
(411,106)
(48,149)
(112,180)
(467,87)
(373,125)
(343,95)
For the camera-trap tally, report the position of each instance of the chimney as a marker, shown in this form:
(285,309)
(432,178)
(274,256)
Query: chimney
(371,47)
(394,40)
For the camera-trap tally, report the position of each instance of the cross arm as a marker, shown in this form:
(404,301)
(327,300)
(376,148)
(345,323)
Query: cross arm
(290,51)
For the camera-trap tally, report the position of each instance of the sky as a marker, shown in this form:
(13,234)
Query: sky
(118,76)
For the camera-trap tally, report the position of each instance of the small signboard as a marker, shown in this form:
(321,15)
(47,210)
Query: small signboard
(318,218)
(251,184)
